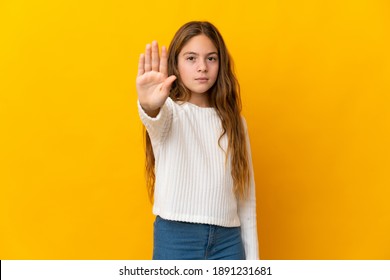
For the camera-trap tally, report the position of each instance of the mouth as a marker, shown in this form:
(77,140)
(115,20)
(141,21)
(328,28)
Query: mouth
(202,79)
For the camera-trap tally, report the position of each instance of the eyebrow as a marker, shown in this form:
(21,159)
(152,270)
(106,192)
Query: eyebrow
(194,53)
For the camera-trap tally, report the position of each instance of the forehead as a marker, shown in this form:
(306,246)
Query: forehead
(199,44)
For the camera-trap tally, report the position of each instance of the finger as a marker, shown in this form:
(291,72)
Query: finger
(147,58)
(141,64)
(168,83)
(155,56)
(164,61)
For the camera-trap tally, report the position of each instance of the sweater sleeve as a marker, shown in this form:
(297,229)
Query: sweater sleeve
(158,126)
(247,212)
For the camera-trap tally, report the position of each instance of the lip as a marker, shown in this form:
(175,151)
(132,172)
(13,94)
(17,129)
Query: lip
(202,79)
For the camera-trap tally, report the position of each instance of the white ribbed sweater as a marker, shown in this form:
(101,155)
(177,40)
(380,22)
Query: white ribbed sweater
(193,184)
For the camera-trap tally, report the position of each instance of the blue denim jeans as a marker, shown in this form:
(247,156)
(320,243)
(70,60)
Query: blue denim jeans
(190,241)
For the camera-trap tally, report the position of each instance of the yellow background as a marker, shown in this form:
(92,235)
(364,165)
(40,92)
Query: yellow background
(316,94)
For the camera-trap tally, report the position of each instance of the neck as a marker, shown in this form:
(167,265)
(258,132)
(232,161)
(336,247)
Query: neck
(200,99)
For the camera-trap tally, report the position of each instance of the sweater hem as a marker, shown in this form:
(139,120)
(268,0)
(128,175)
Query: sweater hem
(197,219)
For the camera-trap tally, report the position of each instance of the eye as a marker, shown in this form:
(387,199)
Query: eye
(212,58)
(190,58)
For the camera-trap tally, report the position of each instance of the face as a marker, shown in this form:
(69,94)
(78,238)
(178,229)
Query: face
(198,64)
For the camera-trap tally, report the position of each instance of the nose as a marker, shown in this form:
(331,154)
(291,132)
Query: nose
(202,66)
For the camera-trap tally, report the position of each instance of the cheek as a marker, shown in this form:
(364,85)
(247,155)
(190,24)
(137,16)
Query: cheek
(182,70)
(216,72)
(179,68)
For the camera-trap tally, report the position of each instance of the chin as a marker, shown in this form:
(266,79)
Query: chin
(200,91)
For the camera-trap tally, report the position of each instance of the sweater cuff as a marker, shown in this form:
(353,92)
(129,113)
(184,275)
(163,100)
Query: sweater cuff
(145,117)
(157,126)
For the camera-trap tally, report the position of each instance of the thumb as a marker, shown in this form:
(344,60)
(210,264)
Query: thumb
(168,83)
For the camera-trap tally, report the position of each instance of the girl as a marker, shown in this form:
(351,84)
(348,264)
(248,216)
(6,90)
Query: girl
(198,160)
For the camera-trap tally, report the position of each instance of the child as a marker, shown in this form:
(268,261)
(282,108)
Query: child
(198,158)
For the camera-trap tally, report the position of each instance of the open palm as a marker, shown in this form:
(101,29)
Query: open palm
(153,83)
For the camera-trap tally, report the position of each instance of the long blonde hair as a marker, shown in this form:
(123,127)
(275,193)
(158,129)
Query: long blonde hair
(224,97)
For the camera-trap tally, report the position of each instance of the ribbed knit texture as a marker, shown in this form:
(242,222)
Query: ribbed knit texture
(193,183)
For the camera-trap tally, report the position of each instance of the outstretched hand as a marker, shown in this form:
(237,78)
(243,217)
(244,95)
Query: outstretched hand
(153,83)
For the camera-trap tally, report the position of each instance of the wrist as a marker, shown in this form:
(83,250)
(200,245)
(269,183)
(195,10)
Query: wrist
(150,111)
